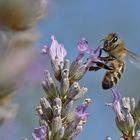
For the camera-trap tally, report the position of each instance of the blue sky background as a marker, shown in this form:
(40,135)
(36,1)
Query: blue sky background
(69,21)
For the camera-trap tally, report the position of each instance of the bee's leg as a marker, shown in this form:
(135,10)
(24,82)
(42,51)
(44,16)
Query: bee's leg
(100,52)
(94,68)
(107,58)
(99,66)
(104,66)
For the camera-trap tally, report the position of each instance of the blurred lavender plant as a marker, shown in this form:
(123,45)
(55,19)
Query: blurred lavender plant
(127,116)
(20,15)
(18,19)
(58,118)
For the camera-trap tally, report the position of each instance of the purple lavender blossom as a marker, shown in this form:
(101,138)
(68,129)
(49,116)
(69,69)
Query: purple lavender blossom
(82,46)
(127,115)
(56,51)
(81,114)
(115,104)
(39,133)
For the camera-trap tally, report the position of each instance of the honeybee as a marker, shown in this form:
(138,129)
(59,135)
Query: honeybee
(114,61)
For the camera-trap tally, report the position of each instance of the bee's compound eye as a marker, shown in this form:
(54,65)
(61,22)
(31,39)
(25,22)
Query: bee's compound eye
(115,39)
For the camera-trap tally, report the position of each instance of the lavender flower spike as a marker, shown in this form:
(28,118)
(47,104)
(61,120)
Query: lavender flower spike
(39,133)
(56,51)
(115,104)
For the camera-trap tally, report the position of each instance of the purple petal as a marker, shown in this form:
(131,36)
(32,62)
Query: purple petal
(82,108)
(116,95)
(56,51)
(81,112)
(115,104)
(45,49)
(82,45)
(39,133)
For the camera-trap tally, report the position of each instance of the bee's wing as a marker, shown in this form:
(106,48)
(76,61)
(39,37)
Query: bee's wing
(134,58)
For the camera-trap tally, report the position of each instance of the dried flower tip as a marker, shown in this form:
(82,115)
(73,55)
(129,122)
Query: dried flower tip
(87,101)
(24,139)
(39,110)
(108,138)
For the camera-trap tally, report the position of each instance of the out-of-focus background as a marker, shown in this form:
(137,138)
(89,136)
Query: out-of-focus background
(69,21)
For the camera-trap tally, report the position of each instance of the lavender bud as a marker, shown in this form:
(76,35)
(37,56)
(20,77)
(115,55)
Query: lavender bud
(73,69)
(57,106)
(57,69)
(49,86)
(67,109)
(132,104)
(60,133)
(72,92)
(46,108)
(122,126)
(80,72)
(43,123)
(129,120)
(56,124)
(66,64)
(137,128)
(69,130)
(137,136)
(57,102)
(39,110)
(136,111)
(126,103)
(64,82)
(82,93)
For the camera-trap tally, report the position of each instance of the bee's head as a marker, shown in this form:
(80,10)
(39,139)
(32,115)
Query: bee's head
(111,41)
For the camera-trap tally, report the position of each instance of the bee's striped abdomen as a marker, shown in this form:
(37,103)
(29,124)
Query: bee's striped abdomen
(112,77)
